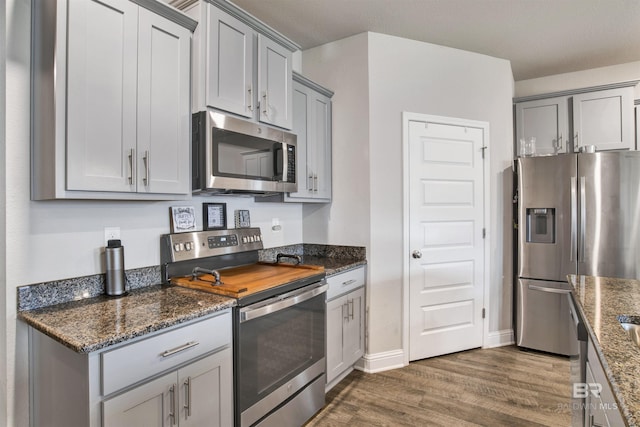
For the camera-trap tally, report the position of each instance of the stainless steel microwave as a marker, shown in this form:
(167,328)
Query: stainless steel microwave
(232,155)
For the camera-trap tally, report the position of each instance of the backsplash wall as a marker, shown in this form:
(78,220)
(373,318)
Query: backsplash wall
(66,238)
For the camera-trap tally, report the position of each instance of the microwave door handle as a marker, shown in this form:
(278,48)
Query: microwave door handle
(278,153)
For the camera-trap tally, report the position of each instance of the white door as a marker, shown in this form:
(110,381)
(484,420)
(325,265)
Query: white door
(446,235)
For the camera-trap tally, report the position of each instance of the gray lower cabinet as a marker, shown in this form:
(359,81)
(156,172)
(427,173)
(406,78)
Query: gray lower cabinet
(193,395)
(111,90)
(345,323)
(601,408)
(180,377)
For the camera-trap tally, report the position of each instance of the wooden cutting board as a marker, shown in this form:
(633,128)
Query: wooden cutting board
(238,282)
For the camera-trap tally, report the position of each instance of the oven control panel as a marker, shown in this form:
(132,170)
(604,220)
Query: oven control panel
(201,244)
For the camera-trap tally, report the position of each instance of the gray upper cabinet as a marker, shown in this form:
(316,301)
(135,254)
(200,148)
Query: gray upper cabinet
(111,85)
(601,116)
(546,120)
(604,119)
(240,66)
(229,69)
(312,124)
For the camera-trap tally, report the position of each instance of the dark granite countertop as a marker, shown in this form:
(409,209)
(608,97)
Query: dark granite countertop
(334,259)
(77,314)
(333,266)
(94,323)
(601,300)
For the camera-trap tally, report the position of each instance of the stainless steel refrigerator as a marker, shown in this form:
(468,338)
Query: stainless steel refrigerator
(577,214)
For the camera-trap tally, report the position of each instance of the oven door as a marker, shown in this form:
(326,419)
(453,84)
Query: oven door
(280,351)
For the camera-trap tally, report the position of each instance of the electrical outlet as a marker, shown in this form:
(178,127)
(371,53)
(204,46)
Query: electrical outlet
(111,233)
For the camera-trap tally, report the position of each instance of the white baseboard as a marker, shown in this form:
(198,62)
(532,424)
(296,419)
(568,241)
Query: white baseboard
(499,338)
(378,362)
(387,360)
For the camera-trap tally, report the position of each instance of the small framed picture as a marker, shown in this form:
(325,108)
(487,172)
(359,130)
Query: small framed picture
(242,218)
(183,219)
(214,216)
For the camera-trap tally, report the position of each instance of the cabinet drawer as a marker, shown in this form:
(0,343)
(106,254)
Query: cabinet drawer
(127,365)
(345,282)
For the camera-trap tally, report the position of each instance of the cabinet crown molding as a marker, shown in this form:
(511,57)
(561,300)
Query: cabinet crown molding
(297,77)
(248,19)
(168,12)
(575,91)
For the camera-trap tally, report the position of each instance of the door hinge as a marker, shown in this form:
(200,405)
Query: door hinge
(483,313)
(484,233)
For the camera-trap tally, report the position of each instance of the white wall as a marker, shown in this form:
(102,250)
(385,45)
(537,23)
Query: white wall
(52,240)
(405,75)
(342,67)
(580,79)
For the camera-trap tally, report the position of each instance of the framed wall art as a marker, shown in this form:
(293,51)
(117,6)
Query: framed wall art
(183,219)
(214,216)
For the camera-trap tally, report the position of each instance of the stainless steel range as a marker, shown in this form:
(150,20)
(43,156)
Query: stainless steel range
(278,323)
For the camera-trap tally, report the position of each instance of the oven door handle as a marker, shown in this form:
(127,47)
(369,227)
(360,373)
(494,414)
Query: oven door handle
(248,313)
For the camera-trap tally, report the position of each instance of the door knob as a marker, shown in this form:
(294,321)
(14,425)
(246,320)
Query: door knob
(416,254)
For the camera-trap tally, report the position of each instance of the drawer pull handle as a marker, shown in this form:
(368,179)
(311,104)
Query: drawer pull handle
(179,349)
(349,282)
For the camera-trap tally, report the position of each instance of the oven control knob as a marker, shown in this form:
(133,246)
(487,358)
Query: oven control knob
(176,247)
(187,246)
(244,239)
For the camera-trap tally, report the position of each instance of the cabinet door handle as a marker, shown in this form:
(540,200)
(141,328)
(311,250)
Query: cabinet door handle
(315,182)
(266,104)
(310,186)
(131,156)
(351,310)
(250,90)
(187,396)
(345,306)
(183,347)
(145,159)
(349,282)
(172,404)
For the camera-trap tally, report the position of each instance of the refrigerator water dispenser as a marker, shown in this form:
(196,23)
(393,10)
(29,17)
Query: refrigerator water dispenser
(541,225)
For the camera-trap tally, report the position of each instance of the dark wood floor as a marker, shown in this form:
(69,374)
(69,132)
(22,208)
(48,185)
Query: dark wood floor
(494,387)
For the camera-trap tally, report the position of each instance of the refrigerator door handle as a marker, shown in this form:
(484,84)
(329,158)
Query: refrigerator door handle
(551,290)
(574,217)
(583,218)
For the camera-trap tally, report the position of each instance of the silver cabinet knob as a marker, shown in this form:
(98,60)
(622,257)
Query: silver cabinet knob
(416,254)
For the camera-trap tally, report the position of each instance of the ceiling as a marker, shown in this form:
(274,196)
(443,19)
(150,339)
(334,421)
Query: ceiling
(539,37)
